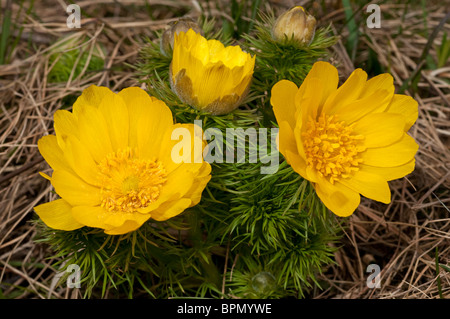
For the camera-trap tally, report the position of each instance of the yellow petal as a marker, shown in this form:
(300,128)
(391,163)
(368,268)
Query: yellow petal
(369,185)
(375,97)
(390,173)
(308,100)
(186,138)
(53,155)
(92,96)
(135,95)
(57,215)
(115,112)
(286,138)
(45,176)
(99,218)
(204,170)
(347,92)
(338,198)
(213,82)
(383,81)
(328,75)
(91,216)
(297,162)
(242,86)
(120,222)
(65,124)
(283,101)
(155,119)
(355,110)
(396,154)
(407,107)
(311,174)
(299,128)
(139,104)
(74,190)
(126,227)
(380,129)
(198,185)
(81,161)
(171,209)
(178,183)
(94,132)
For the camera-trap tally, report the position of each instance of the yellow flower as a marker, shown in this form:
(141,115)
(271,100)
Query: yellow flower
(349,140)
(209,76)
(181,25)
(295,23)
(112,163)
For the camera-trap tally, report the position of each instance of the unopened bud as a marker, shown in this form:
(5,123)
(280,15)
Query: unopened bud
(263,282)
(295,24)
(181,25)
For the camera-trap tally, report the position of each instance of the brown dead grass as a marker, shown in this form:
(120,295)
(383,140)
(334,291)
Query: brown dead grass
(401,237)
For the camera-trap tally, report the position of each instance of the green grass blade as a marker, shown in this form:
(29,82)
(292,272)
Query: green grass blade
(6,30)
(352,41)
(438,278)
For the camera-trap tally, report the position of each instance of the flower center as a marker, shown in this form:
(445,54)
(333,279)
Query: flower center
(331,148)
(128,182)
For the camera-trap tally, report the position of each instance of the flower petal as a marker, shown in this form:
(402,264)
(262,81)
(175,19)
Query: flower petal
(328,75)
(115,113)
(74,190)
(120,222)
(98,217)
(94,132)
(355,110)
(396,154)
(383,81)
(52,153)
(198,185)
(171,209)
(380,129)
(286,139)
(375,97)
(297,162)
(283,101)
(347,92)
(338,198)
(308,101)
(58,215)
(369,185)
(186,138)
(92,96)
(126,227)
(65,124)
(81,160)
(155,119)
(178,183)
(407,107)
(390,173)
(91,216)
(145,110)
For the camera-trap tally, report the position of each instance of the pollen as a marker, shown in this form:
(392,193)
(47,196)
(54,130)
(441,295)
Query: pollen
(331,147)
(129,182)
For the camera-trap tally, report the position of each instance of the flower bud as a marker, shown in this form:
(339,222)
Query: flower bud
(263,282)
(295,23)
(181,25)
(209,76)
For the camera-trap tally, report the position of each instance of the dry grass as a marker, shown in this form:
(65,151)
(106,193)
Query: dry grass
(402,237)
